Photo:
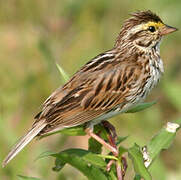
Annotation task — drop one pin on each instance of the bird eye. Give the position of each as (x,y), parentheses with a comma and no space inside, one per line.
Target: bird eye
(151,28)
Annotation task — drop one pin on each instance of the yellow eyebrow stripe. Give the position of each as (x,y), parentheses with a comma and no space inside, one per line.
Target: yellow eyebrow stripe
(155,24)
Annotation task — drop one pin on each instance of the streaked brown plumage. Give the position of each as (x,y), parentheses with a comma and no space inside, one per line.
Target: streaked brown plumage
(109,84)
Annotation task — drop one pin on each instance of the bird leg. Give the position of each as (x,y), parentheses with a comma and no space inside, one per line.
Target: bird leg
(112,136)
(89,131)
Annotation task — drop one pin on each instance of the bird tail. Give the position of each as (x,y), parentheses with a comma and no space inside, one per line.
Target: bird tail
(24,141)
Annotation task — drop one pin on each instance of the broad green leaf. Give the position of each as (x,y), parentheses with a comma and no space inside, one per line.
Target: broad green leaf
(141,107)
(27,178)
(63,73)
(95,160)
(138,162)
(162,140)
(94,146)
(85,161)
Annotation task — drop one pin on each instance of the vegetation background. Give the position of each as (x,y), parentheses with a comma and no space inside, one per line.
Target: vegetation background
(35,35)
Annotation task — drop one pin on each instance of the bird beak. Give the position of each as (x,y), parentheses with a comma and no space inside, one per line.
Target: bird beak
(167,30)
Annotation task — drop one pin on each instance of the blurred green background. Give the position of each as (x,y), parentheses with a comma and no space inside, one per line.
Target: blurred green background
(34,35)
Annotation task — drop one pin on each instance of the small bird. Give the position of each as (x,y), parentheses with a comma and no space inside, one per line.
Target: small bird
(109,84)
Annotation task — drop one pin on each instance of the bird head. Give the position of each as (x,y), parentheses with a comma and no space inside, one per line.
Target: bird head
(144,29)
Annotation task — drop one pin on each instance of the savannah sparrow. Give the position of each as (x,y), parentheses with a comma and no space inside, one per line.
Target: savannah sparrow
(109,84)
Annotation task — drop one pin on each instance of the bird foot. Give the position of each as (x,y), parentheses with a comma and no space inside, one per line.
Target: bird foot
(112,137)
(89,131)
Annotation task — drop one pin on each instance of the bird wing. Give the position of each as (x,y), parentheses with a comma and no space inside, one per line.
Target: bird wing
(101,85)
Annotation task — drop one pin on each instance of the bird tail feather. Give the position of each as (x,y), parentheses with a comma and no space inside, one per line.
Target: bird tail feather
(24,141)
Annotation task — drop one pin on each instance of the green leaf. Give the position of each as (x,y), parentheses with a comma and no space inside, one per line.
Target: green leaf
(121,139)
(85,161)
(112,173)
(94,146)
(63,73)
(45,154)
(27,178)
(159,170)
(59,164)
(95,160)
(162,140)
(99,129)
(73,131)
(141,107)
(138,162)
